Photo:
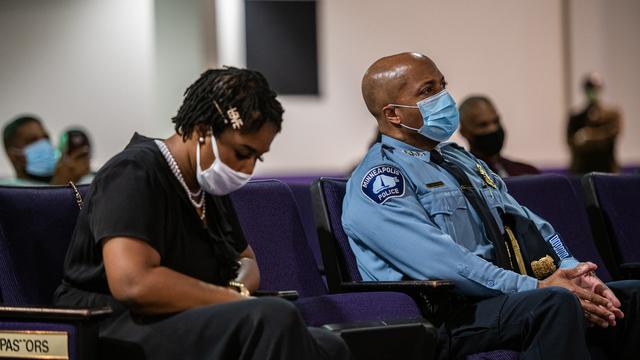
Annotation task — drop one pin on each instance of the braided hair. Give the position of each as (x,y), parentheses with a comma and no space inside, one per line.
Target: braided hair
(218,91)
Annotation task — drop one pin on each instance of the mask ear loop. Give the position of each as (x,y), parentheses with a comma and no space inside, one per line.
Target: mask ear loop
(214,145)
(198,167)
(406,107)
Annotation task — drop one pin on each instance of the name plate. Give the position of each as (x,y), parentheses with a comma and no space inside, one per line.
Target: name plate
(23,344)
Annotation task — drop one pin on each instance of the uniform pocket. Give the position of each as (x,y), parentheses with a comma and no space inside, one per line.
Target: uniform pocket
(443,206)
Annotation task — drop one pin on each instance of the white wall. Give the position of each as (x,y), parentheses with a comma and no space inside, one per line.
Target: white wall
(87,62)
(605,37)
(510,50)
(180,56)
(121,65)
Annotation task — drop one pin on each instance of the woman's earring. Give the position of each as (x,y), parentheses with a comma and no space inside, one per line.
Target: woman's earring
(201,140)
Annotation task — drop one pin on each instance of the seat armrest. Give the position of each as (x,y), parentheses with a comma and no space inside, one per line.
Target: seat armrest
(53,313)
(375,324)
(409,286)
(285,294)
(630,270)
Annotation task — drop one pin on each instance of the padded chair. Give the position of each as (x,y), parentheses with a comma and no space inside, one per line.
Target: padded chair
(340,263)
(35,229)
(302,194)
(36,224)
(342,270)
(553,198)
(270,220)
(269,217)
(612,203)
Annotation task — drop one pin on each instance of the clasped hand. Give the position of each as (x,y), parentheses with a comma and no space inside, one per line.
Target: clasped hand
(600,305)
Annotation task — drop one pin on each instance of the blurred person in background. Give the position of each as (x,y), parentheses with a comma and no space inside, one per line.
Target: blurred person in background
(76,140)
(480,125)
(592,132)
(35,160)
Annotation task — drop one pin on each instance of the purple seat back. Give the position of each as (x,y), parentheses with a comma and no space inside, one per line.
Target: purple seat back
(269,217)
(553,198)
(327,195)
(339,261)
(36,224)
(303,198)
(616,198)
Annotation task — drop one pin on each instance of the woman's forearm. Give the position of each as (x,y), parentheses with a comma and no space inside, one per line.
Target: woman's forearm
(161,290)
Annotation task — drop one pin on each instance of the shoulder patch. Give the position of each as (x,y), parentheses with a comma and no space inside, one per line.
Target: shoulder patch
(382,183)
(558,247)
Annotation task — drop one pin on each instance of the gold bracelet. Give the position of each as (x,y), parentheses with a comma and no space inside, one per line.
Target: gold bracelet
(239,287)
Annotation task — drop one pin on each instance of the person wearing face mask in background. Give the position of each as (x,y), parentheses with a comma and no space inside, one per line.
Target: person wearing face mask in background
(35,160)
(592,132)
(420,207)
(159,242)
(480,124)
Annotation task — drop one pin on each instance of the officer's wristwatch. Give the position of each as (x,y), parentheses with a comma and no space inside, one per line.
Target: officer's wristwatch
(239,287)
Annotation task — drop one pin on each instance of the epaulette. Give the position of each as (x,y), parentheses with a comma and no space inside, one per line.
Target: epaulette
(384,147)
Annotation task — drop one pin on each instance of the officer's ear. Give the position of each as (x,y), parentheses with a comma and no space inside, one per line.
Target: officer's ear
(390,113)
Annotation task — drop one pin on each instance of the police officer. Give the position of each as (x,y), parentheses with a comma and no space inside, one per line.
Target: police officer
(408,214)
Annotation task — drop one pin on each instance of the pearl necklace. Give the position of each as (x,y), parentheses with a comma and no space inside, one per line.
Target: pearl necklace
(173,165)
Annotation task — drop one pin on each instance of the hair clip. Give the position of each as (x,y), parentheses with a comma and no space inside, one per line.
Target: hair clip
(232,115)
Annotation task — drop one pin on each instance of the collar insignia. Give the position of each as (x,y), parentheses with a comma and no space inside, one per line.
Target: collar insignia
(485,177)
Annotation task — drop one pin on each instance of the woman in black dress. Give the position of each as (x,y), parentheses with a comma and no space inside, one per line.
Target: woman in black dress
(159,242)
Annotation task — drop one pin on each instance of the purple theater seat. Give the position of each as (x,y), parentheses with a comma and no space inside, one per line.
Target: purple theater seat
(36,224)
(553,198)
(269,217)
(327,195)
(613,202)
(576,184)
(327,198)
(303,198)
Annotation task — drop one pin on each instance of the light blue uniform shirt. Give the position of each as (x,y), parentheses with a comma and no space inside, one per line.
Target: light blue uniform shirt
(405,216)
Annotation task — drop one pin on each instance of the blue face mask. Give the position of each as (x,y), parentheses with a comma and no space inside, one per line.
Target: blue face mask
(41,158)
(439,115)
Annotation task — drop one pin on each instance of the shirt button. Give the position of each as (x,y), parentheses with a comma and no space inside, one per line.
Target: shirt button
(490,283)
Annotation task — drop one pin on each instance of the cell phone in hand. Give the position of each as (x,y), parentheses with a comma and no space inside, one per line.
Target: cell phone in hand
(285,294)
(74,140)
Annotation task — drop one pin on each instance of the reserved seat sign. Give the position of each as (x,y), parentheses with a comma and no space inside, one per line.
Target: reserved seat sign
(26,344)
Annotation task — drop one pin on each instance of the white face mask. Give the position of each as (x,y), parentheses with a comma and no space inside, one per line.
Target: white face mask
(219,178)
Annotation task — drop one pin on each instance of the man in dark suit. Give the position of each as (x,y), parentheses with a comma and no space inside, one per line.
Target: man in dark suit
(480,125)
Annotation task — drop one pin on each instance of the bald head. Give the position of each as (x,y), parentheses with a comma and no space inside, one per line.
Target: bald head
(385,80)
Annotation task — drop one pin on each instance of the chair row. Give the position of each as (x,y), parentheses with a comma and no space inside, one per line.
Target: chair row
(595,216)
(380,322)
(553,197)
(36,225)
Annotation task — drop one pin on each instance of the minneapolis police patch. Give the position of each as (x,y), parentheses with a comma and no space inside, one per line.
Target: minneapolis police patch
(382,183)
